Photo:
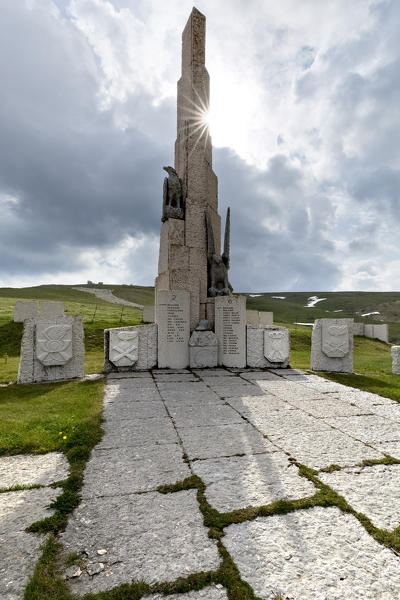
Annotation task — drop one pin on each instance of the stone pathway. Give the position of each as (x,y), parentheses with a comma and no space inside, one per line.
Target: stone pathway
(106,294)
(244,433)
(20,550)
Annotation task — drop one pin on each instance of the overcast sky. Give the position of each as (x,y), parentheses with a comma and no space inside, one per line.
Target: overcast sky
(305,122)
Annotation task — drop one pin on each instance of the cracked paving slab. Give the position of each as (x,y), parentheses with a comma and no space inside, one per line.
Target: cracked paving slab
(329,407)
(319,449)
(20,550)
(320,553)
(223,440)
(286,422)
(134,410)
(215,592)
(33,469)
(133,469)
(147,432)
(149,537)
(374,491)
(244,481)
(187,415)
(249,406)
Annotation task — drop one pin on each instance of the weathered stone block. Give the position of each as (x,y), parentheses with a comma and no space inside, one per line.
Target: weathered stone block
(358,329)
(395,352)
(252,317)
(332,345)
(173,320)
(230,328)
(25,310)
(203,349)
(149,314)
(52,350)
(265,318)
(51,310)
(268,347)
(178,257)
(130,348)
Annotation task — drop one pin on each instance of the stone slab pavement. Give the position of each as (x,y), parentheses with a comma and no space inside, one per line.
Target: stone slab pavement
(19,550)
(247,435)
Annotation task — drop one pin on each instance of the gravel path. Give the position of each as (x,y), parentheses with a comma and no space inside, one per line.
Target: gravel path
(242,433)
(105,294)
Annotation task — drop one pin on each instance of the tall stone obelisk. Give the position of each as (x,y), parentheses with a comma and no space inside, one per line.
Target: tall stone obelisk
(183,242)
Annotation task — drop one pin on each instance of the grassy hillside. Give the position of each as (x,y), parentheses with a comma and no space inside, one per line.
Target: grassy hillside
(292,309)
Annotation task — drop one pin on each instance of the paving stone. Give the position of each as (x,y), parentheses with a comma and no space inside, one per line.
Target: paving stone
(249,406)
(238,391)
(205,373)
(19,550)
(374,491)
(388,411)
(223,440)
(147,432)
(324,385)
(319,449)
(175,377)
(30,469)
(287,372)
(259,376)
(286,422)
(176,399)
(149,537)
(134,410)
(364,399)
(133,469)
(367,428)
(128,375)
(328,407)
(288,389)
(318,554)
(390,448)
(170,371)
(208,593)
(243,481)
(188,415)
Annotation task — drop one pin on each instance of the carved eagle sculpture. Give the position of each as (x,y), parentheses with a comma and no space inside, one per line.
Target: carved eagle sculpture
(173,196)
(218,284)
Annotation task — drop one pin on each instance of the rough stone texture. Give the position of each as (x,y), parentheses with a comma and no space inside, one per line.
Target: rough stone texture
(25,310)
(19,550)
(146,348)
(319,449)
(123,347)
(230,329)
(395,352)
(265,318)
(51,310)
(203,349)
(223,440)
(173,320)
(367,428)
(146,432)
(32,469)
(53,344)
(32,370)
(133,469)
(252,317)
(358,329)
(373,491)
(150,537)
(188,415)
(263,345)
(209,593)
(243,481)
(320,361)
(328,407)
(149,314)
(318,553)
(378,332)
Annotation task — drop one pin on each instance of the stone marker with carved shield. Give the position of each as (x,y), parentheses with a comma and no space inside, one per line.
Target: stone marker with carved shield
(130,348)
(332,345)
(52,350)
(268,347)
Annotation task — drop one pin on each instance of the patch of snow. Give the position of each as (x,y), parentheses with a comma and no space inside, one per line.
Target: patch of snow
(312,301)
(340,310)
(279,297)
(306,324)
(255,295)
(371,313)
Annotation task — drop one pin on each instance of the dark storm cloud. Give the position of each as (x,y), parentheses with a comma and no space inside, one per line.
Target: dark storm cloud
(78,181)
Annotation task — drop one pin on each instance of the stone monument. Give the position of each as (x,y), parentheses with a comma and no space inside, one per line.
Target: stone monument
(190,256)
(52,350)
(25,309)
(395,352)
(332,345)
(203,347)
(268,347)
(230,328)
(130,348)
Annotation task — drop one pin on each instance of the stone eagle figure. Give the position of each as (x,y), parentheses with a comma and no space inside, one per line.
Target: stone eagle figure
(218,284)
(173,196)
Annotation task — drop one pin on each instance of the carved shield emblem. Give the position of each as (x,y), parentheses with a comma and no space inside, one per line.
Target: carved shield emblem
(123,348)
(53,344)
(335,340)
(276,345)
